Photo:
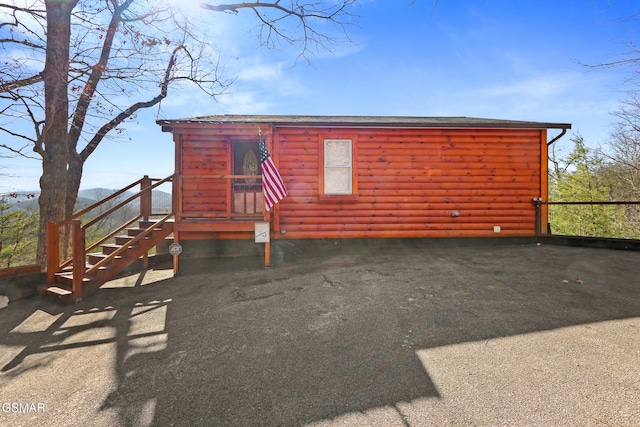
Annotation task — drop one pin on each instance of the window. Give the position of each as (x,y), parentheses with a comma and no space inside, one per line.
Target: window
(338,167)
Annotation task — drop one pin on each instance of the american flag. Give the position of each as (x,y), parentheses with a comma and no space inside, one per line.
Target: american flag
(272,186)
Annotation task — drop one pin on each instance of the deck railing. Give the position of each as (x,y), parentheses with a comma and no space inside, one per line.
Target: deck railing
(225,195)
(540,205)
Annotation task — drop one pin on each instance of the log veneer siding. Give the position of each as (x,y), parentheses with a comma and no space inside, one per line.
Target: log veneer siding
(411,181)
(408,182)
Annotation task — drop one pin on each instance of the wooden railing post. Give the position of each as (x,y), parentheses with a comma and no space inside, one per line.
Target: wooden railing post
(53,252)
(176,201)
(78,245)
(145,198)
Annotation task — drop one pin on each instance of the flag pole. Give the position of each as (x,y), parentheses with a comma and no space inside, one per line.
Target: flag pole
(267,218)
(273,188)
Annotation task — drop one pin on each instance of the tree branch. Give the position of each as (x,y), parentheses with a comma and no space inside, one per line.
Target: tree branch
(304,12)
(98,69)
(15,84)
(21,9)
(23,43)
(13,150)
(113,123)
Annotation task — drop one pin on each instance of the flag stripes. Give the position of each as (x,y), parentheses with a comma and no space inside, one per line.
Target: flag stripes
(272,186)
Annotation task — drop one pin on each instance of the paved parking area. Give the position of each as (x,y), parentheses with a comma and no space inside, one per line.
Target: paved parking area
(399,334)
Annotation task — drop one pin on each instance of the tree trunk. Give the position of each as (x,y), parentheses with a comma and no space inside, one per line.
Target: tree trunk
(53,182)
(74,176)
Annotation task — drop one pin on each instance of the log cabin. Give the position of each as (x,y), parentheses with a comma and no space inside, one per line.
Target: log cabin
(353,177)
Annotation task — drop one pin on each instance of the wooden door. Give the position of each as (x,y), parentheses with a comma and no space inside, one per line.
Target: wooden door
(247,192)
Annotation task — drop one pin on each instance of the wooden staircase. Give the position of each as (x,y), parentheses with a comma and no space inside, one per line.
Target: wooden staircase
(86,271)
(101,267)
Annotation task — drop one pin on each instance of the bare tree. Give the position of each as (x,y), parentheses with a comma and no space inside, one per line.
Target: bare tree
(76,70)
(301,22)
(622,151)
(629,58)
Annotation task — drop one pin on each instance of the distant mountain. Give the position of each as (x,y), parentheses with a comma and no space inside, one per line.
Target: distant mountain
(95,193)
(161,200)
(21,199)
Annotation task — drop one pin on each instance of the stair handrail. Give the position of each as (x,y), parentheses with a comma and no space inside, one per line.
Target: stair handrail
(127,201)
(53,229)
(126,246)
(113,233)
(98,203)
(104,239)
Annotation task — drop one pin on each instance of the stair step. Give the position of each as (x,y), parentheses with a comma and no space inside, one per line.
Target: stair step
(123,240)
(146,224)
(57,290)
(63,293)
(87,266)
(68,276)
(110,248)
(96,257)
(149,223)
(54,290)
(134,231)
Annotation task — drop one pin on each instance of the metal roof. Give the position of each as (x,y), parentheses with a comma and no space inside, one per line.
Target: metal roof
(366,121)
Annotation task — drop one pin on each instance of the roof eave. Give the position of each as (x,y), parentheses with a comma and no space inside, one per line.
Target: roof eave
(365,121)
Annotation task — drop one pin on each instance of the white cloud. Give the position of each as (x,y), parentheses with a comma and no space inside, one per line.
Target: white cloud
(531,87)
(185,97)
(246,102)
(268,72)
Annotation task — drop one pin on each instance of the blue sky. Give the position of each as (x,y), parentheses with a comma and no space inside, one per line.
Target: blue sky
(506,59)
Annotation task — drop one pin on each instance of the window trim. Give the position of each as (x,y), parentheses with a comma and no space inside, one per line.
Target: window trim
(346,197)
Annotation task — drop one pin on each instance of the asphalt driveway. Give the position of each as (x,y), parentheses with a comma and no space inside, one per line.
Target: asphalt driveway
(399,334)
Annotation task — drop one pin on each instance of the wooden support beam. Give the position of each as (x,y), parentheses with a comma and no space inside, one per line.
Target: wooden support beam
(267,245)
(176,264)
(78,239)
(53,252)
